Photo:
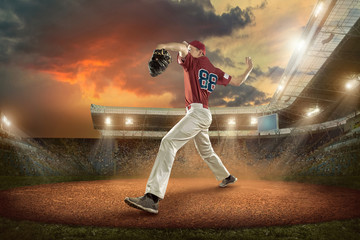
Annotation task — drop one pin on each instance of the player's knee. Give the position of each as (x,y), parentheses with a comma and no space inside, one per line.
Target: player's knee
(206,154)
(167,141)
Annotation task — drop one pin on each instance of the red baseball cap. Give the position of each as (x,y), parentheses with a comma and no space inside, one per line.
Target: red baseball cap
(199,45)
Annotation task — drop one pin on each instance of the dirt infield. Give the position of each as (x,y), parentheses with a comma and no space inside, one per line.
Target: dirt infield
(189,203)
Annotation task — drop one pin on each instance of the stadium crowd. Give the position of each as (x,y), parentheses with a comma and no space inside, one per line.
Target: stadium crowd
(324,152)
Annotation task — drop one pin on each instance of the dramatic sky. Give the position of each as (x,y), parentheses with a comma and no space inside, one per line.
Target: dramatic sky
(59,56)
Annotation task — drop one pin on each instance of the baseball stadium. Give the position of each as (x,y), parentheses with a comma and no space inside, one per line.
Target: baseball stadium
(296,158)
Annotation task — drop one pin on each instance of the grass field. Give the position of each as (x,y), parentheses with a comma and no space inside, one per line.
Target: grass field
(9,229)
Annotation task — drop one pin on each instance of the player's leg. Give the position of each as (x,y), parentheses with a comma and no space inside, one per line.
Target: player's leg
(203,145)
(181,133)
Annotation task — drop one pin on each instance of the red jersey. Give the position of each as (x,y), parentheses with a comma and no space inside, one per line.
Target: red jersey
(200,78)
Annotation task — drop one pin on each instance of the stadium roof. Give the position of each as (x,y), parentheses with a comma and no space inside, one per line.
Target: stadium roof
(315,78)
(324,33)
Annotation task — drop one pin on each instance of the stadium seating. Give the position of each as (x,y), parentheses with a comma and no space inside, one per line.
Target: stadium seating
(323,152)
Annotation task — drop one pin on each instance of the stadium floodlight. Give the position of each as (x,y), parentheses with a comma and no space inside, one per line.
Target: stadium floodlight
(231,121)
(348,85)
(280,87)
(318,9)
(129,121)
(300,45)
(313,112)
(6,121)
(253,121)
(108,121)
(351,84)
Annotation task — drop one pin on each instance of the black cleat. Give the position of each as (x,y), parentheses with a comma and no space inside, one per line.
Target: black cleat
(144,203)
(229,180)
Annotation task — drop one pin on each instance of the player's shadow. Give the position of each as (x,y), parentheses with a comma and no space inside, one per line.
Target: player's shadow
(135,214)
(205,190)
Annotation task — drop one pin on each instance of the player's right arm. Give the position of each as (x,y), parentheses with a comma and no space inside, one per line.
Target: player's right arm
(242,78)
(182,48)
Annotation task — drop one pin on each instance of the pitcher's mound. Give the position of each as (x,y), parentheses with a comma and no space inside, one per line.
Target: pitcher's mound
(189,203)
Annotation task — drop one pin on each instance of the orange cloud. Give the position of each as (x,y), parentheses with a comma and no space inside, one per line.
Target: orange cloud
(82,72)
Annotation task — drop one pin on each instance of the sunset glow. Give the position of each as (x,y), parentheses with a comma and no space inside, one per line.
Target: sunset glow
(72,55)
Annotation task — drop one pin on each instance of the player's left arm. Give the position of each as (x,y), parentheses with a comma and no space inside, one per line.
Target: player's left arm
(182,48)
(237,81)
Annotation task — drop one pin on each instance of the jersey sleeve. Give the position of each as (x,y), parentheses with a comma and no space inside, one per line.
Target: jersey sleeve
(224,78)
(185,62)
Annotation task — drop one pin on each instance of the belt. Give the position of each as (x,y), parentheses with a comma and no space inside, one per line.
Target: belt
(196,105)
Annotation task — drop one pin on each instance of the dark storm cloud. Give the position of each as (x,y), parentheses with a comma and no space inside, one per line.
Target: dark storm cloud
(204,22)
(51,27)
(56,36)
(206,4)
(273,73)
(218,59)
(90,45)
(262,5)
(244,95)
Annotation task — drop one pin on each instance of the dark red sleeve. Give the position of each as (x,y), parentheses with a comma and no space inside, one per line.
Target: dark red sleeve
(185,62)
(224,78)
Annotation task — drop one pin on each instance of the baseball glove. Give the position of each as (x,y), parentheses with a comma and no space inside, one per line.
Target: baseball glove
(159,62)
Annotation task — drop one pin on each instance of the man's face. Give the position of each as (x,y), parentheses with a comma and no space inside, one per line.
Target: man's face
(195,52)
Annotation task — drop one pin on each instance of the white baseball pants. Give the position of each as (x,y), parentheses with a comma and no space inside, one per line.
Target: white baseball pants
(194,124)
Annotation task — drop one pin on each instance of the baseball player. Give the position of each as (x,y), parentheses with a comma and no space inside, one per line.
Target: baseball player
(200,79)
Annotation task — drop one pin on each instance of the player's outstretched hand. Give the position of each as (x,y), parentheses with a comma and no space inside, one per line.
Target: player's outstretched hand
(249,63)
(245,75)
